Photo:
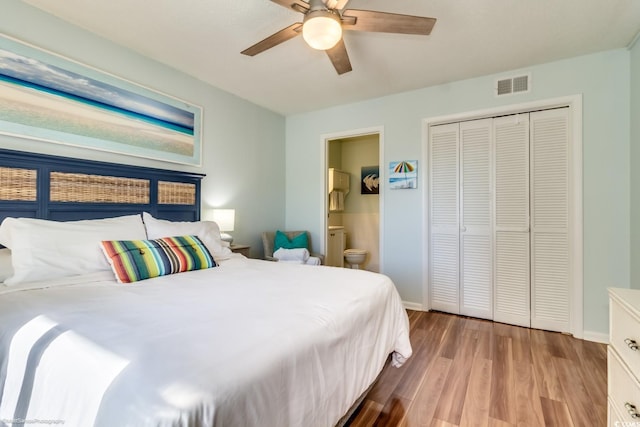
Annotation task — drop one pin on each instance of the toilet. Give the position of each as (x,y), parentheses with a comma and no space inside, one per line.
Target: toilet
(355,257)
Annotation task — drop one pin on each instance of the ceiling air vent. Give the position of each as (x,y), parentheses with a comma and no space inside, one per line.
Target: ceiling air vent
(513,85)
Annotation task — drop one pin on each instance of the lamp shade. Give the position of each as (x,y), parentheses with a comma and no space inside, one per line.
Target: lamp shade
(321,29)
(225,218)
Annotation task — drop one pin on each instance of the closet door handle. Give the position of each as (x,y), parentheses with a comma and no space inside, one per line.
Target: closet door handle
(463,228)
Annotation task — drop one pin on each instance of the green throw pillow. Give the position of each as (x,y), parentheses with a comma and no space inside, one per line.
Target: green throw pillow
(282,241)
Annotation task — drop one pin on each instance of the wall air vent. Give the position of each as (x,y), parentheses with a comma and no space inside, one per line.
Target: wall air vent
(513,85)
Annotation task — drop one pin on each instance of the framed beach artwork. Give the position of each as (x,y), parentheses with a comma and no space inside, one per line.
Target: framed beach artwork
(370,180)
(48,97)
(403,174)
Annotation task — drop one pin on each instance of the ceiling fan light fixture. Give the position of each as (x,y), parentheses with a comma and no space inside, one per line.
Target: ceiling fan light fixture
(321,29)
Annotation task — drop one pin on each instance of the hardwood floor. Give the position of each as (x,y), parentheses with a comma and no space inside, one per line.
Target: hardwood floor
(470,372)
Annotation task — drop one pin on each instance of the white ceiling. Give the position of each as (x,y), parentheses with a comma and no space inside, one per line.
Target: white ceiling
(471,38)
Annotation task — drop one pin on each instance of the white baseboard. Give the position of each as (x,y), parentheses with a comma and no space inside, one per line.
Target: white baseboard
(413,306)
(596,337)
(587,335)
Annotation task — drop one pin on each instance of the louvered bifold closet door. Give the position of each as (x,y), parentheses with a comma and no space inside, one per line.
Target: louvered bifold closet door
(512,245)
(476,219)
(550,247)
(443,218)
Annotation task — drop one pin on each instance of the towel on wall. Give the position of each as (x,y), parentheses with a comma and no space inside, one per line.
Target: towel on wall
(336,201)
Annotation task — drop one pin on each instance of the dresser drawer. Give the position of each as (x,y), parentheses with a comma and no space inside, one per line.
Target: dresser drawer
(614,418)
(625,331)
(624,389)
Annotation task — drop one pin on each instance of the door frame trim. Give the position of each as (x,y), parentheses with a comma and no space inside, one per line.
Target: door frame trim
(574,102)
(325,139)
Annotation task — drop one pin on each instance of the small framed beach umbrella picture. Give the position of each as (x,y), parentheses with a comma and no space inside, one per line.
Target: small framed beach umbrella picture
(403,174)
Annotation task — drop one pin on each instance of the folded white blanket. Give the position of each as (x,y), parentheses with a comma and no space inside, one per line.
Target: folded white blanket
(299,254)
(313,260)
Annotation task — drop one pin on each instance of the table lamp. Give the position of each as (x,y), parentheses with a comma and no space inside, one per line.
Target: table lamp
(225,218)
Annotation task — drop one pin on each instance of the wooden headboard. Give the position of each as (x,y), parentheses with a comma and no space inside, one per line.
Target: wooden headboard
(64,189)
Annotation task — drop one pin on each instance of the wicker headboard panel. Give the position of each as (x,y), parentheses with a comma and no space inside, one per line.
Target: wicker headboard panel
(64,189)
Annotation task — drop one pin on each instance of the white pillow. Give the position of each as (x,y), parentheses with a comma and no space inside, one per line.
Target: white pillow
(42,249)
(6,269)
(207,231)
(4,232)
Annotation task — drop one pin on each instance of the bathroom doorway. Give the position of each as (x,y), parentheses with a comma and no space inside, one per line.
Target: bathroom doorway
(355,214)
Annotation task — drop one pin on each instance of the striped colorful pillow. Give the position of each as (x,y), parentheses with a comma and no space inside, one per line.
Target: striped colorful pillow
(133,260)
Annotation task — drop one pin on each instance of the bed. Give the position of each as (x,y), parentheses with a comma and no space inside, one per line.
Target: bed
(243,343)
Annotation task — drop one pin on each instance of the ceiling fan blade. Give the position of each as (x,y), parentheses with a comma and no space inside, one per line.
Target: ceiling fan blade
(383,22)
(339,57)
(297,5)
(275,39)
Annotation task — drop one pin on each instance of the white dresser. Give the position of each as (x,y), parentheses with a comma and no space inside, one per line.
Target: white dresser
(624,357)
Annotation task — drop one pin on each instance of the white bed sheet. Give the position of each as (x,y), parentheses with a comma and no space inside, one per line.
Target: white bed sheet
(249,343)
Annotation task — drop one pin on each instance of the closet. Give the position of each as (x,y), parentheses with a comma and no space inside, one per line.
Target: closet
(499,244)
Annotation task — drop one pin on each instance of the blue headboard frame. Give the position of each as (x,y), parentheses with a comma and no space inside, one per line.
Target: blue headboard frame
(42,207)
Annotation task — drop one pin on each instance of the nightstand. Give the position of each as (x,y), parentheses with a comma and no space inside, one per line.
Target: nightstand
(241,249)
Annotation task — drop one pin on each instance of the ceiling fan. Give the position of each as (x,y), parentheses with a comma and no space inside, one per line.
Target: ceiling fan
(324,21)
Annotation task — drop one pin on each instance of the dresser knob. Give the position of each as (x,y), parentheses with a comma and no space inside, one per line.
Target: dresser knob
(632,344)
(631,409)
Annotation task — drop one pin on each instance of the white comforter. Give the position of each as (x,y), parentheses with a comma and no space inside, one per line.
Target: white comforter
(250,343)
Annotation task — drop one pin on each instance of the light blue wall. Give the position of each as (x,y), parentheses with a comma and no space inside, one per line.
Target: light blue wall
(635,165)
(246,160)
(243,144)
(603,80)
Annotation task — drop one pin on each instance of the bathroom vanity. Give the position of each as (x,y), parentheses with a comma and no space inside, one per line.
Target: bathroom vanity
(335,246)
